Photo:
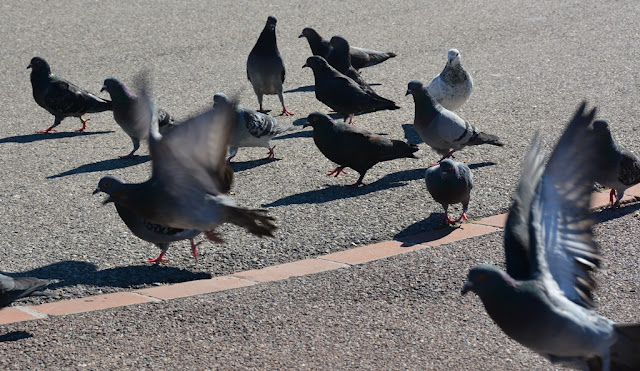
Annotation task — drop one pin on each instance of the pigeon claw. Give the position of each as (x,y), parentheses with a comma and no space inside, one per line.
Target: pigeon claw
(84,124)
(130,155)
(270,155)
(194,249)
(286,112)
(337,171)
(462,217)
(449,220)
(49,130)
(158,260)
(613,194)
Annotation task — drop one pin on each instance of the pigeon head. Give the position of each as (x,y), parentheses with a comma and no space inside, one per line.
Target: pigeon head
(220,98)
(271,23)
(601,127)
(309,33)
(317,119)
(486,280)
(453,57)
(38,64)
(340,43)
(414,87)
(113,187)
(116,89)
(448,167)
(316,63)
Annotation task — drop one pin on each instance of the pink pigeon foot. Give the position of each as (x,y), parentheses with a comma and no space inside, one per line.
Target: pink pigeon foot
(337,171)
(84,124)
(462,217)
(449,220)
(159,259)
(194,250)
(271,154)
(49,130)
(286,112)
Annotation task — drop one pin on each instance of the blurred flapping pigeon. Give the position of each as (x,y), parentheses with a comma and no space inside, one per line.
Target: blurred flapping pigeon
(543,300)
(252,129)
(453,86)
(360,57)
(341,93)
(60,97)
(265,68)
(189,177)
(450,182)
(622,169)
(126,113)
(441,129)
(12,289)
(354,147)
(340,59)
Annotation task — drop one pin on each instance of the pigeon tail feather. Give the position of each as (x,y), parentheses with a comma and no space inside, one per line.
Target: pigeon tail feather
(255,221)
(625,352)
(482,138)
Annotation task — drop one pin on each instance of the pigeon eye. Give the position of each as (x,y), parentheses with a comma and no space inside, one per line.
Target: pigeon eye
(315,119)
(484,277)
(107,184)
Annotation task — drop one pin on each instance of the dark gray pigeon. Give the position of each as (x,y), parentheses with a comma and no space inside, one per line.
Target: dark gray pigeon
(441,129)
(265,68)
(450,182)
(354,147)
(60,97)
(543,300)
(453,86)
(12,289)
(189,177)
(343,94)
(623,166)
(360,57)
(125,113)
(340,59)
(252,129)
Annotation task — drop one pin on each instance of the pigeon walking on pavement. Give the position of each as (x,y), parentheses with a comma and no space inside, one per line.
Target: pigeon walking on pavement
(453,86)
(265,68)
(340,59)
(252,129)
(60,97)
(189,177)
(12,289)
(354,147)
(622,169)
(360,57)
(450,182)
(441,129)
(543,300)
(341,93)
(126,114)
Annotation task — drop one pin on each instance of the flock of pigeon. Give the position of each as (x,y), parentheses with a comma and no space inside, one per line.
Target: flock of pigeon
(543,300)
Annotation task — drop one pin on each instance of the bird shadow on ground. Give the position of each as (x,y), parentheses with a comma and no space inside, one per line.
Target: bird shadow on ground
(247,165)
(481,164)
(301,89)
(607,214)
(411,135)
(303,120)
(28,138)
(15,336)
(338,192)
(104,165)
(297,134)
(434,223)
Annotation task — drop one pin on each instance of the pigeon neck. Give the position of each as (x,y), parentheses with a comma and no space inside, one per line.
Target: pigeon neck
(318,45)
(122,95)
(453,73)
(266,42)
(340,60)
(42,74)
(426,107)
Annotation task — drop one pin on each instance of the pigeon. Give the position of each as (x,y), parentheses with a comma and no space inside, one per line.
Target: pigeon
(12,289)
(450,182)
(60,97)
(453,86)
(341,93)
(340,59)
(265,68)
(543,300)
(252,129)
(357,148)
(441,129)
(125,113)
(623,166)
(189,177)
(360,57)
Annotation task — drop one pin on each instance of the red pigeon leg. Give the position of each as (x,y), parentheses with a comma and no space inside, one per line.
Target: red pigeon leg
(194,250)
(159,259)
(84,124)
(337,171)
(285,111)
(271,154)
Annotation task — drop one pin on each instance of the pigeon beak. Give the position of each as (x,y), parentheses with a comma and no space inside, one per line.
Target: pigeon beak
(408,92)
(305,65)
(306,124)
(104,87)
(301,35)
(29,66)
(468,286)
(96,190)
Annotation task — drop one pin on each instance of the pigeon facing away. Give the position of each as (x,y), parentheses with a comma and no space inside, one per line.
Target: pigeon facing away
(265,68)
(60,97)
(126,111)
(453,86)
(543,300)
(360,57)
(189,177)
(12,289)
(343,94)
(622,168)
(441,129)
(354,147)
(340,59)
(450,182)
(252,129)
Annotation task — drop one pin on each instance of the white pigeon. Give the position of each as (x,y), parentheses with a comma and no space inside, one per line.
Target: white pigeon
(453,86)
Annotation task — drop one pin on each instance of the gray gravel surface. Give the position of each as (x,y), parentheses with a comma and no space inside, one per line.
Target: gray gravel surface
(532,63)
(404,312)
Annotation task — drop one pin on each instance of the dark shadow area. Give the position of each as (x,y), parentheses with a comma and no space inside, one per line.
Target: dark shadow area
(15,336)
(481,164)
(606,214)
(246,165)
(301,89)
(104,165)
(429,229)
(342,191)
(297,134)
(303,120)
(28,138)
(411,135)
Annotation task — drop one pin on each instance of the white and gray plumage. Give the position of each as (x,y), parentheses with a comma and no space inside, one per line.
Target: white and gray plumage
(252,128)
(441,129)
(543,300)
(450,182)
(453,86)
(126,113)
(12,289)
(189,177)
(265,67)
(622,169)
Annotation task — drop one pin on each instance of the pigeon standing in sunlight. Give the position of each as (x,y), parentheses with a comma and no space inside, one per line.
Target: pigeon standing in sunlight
(252,129)
(60,97)
(450,182)
(265,68)
(453,86)
(543,300)
(12,289)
